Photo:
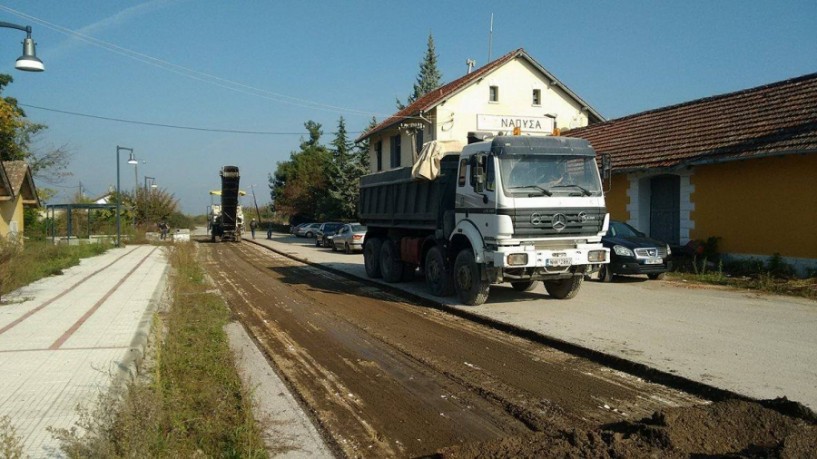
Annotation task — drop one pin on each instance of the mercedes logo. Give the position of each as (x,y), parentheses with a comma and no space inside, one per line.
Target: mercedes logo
(536,218)
(559,222)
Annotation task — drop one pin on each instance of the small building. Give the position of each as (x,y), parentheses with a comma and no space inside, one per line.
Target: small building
(17,191)
(512,91)
(741,167)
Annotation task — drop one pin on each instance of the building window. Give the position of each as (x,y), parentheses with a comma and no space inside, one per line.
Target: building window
(418,139)
(463,170)
(537,97)
(493,94)
(378,154)
(395,151)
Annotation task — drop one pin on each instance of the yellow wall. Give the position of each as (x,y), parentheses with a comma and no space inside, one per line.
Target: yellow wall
(11,211)
(616,199)
(760,206)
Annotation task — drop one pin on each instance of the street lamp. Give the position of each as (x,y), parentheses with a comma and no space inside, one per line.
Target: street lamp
(152,185)
(119,194)
(28,61)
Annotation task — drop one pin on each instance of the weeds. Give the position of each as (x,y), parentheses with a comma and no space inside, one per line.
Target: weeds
(11,446)
(190,401)
(22,264)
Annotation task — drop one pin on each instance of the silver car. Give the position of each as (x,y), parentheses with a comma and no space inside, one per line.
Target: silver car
(349,238)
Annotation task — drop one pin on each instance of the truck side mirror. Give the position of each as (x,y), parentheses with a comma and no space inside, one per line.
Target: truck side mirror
(606,170)
(479,179)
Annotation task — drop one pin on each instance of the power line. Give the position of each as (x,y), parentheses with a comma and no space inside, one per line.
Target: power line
(170,126)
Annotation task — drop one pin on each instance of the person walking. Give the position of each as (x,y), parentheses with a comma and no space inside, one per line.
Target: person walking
(253,225)
(269,230)
(163,228)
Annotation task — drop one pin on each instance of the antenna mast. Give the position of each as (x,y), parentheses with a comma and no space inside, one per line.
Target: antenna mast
(491,37)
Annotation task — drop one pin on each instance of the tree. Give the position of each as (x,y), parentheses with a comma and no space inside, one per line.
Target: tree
(429,77)
(349,164)
(18,138)
(300,186)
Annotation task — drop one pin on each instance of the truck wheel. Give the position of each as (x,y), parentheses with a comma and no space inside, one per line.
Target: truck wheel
(605,275)
(438,277)
(524,286)
(564,289)
(371,257)
(390,265)
(468,283)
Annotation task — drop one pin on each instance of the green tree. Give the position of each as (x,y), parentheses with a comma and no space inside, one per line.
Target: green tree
(349,164)
(429,77)
(300,186)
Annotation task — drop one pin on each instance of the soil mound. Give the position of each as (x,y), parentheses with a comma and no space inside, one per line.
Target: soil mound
(731,428)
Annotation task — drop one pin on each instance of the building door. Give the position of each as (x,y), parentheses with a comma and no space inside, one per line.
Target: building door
(665,208)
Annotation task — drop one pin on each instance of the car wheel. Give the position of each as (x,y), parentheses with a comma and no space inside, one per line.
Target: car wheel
(438,277)
(524,286)
(347,248)
(309,234)
(317,242)
(605,275)
(657,276)
(564,289)
(334,247)
(471,288)
(371,257)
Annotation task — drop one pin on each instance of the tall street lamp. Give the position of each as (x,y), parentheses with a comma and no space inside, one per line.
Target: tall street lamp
(119,194)
(28,61)
(152,186)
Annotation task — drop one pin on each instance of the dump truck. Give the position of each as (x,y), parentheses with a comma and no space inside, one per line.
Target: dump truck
(503,209)
(227,219)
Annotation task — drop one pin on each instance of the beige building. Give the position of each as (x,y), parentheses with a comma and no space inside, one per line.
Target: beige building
(512,91)
(17,190)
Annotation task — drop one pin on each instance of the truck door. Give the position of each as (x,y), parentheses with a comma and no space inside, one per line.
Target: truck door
(476,199)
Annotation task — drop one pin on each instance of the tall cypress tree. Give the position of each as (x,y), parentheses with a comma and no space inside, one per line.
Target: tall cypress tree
(429,77)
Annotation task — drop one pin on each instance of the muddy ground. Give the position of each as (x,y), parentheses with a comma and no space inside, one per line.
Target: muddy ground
(387,378)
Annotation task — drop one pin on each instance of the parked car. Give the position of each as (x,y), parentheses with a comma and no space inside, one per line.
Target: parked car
(307,230)
(294,228)
(349,238)
(324,232)
(632,252)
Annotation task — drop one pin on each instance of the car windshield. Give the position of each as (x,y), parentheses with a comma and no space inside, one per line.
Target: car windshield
(550,174)
(357,228)
(623,229)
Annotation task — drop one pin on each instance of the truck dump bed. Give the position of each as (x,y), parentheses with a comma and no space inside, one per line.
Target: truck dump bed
(229,198)
(392,199)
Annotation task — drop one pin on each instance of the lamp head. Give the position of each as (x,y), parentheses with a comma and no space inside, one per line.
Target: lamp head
(29,61)
(132,159)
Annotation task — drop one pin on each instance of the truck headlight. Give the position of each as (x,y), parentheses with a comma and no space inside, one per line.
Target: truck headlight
(597,256)
(622,251)
(517,259)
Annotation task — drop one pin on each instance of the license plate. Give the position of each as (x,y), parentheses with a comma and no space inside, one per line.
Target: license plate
(654,261)
(558,262)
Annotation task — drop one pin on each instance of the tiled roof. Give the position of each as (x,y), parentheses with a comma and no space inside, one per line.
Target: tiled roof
(19,178)
(778,118)
(431,99)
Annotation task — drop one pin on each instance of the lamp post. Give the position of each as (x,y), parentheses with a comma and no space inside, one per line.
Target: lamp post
(152,185)
(28,61)
(119,194)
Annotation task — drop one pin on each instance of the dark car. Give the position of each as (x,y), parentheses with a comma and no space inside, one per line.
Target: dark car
(632,252)
(324,231)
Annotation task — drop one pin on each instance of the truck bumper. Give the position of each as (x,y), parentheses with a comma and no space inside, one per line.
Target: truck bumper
(526,260)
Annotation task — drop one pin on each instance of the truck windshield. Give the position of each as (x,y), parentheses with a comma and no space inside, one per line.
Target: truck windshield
(564,175)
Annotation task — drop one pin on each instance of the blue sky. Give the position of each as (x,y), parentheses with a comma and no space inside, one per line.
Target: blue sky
(270,66)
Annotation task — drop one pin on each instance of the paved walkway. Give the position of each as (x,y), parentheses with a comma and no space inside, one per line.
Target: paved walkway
(761,346)
(65,339)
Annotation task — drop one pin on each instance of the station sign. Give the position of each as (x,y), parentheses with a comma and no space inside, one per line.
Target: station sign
(506,123)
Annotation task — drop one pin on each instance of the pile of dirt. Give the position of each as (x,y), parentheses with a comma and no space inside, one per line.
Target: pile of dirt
(731,428)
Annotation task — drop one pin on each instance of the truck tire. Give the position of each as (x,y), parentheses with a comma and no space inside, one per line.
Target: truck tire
(438,276)
(605,275)
(564,289)
(471,288)
(390,265)
(371,257)
(524,286)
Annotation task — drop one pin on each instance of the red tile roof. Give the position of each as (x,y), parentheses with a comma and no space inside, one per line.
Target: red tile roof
(431,99)
(20,181)
(778,118)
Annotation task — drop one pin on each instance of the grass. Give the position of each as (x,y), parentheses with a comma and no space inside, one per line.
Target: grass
(22,264)
(189,401)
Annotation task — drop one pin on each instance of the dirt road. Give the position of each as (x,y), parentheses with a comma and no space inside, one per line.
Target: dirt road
(384,377)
